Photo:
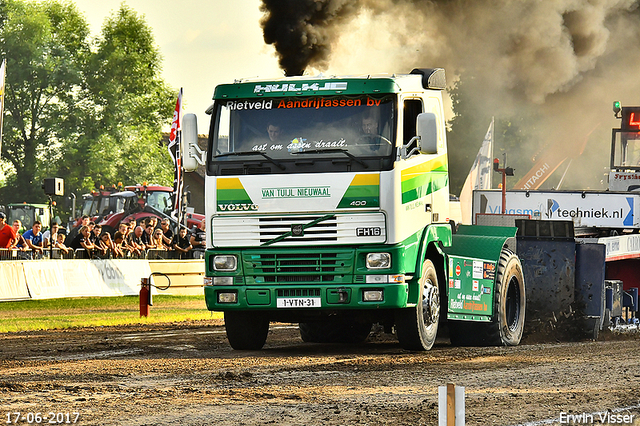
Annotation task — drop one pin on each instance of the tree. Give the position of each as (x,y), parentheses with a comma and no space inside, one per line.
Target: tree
(128,103)
(45,47)
(89,112)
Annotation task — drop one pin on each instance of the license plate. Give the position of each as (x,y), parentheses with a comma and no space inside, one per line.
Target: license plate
(299,302)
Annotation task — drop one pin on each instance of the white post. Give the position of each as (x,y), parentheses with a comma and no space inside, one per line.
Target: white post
(451,403)
(459,406)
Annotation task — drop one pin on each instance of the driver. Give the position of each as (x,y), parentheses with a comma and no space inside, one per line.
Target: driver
(370,123)
(274,130)
(370,129)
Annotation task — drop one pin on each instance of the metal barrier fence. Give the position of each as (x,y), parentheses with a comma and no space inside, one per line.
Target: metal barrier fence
(152,254)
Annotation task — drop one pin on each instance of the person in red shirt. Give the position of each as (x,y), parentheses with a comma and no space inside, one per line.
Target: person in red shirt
(7,234)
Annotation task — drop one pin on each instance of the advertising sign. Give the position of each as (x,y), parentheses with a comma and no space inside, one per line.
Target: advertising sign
(585,209)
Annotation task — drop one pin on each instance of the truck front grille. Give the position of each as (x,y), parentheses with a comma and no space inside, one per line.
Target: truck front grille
(287,267)
(251,230)
(298,292)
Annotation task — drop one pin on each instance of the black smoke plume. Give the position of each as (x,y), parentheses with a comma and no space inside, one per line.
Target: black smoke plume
(560,62)
(302,31)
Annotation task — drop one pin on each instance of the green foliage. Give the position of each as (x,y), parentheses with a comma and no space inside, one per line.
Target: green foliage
(87,111)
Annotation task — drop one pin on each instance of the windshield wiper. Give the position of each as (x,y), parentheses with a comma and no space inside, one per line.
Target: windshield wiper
(228,154)
(332,150)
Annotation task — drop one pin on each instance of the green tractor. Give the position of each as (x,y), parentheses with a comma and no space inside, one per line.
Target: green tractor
(27,213)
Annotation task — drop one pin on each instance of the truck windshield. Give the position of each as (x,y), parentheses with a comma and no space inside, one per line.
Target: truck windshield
(308,134)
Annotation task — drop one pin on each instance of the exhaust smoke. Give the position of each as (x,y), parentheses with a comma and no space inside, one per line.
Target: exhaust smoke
(558,62)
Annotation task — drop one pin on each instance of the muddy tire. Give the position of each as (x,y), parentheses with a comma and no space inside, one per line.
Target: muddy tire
(335,331)
(417,327)
(246,330)
(509,305)
(509,302)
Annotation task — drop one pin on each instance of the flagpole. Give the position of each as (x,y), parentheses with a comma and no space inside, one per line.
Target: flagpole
(3,72)
(493,132)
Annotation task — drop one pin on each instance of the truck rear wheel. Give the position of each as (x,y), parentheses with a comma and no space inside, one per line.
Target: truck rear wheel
(509,304)
(417,327)
(246,330)
(335,331)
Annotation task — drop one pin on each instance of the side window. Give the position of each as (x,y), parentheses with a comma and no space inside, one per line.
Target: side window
(412,107)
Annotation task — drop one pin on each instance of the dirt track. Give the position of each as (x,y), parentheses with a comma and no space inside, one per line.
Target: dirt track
(187,374)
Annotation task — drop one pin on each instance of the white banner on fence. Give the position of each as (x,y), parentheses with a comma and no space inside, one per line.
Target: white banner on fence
(122,277)
(13,284)
(48,279)
(45,278)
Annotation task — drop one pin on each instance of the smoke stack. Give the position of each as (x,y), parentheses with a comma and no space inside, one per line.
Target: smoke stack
(289,73)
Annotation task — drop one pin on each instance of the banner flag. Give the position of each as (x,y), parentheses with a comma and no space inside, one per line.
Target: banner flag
(479,176)
(174,151)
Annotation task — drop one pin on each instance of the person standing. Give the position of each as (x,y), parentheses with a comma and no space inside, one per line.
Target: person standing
(147,237)
(181,244)
(8,236)
(50,236)
(135,241)
(20,244)
(83,241)
(33,237)
(199,240)
(167,233)
(59,244)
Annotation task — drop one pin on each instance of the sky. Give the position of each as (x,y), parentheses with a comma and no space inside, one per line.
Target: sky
(558,62)
(203,43)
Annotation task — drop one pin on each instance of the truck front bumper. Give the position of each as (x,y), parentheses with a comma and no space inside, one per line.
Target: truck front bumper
(306,297)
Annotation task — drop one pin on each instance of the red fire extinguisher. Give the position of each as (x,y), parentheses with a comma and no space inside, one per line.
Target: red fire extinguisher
(145,297)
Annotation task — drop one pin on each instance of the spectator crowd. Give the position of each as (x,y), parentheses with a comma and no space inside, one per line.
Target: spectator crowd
(147,239)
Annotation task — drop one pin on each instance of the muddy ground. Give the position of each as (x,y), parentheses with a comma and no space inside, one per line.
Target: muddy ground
(187,374)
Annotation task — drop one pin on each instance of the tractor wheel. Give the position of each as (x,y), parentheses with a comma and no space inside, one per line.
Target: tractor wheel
(343,331)
(417,327)
(246,330)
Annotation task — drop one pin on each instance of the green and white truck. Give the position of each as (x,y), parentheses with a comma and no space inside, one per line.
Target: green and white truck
(327,205)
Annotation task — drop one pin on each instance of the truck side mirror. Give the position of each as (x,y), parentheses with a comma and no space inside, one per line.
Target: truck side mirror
(189,143)
(427,127)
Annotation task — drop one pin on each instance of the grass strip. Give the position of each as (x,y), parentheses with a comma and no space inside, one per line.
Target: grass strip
(64,313)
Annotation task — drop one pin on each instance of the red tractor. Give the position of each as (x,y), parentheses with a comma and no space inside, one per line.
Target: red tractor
(136,203)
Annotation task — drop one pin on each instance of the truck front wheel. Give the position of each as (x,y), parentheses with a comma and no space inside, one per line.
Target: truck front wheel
(417,327)
(246,330)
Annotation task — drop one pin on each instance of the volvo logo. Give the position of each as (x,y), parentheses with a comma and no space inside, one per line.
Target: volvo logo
(237,207)
(297,230)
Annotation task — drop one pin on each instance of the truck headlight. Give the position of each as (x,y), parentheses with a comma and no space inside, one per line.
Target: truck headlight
(225,262)
(373,295)
(228,297)
(378,260)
